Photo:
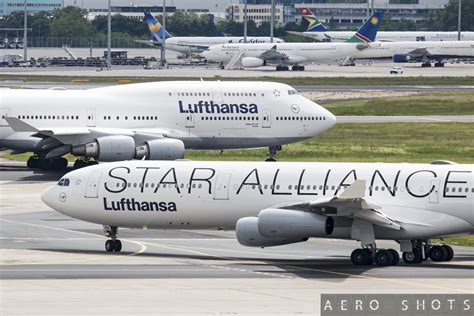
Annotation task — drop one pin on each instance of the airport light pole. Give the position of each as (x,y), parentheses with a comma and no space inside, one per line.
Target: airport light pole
(25,32)
(163,36)
(459,19)
(109,37)
(272,23)
(245,21)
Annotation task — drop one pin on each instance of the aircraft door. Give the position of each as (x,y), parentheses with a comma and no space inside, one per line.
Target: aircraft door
(221,191)
(189,120)
(92,188)
(434,195)
(3,114)
(91,118)
(266,119)
(217,95)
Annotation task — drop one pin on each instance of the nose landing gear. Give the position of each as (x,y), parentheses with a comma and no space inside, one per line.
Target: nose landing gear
(113,244)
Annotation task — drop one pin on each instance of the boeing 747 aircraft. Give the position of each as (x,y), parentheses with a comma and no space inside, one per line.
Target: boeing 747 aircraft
(154,121)
(271,204)
(193,44)
(317,31)
(295,54)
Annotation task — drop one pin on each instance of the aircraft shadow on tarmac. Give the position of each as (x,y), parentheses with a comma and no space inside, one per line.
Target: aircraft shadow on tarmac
(333,268)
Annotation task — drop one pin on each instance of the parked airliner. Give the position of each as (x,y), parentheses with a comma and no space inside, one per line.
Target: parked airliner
(155,120)
(295,54)
(194,44)
(271,204)
(317,31)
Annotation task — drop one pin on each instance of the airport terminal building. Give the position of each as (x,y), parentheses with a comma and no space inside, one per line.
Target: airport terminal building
(33,6)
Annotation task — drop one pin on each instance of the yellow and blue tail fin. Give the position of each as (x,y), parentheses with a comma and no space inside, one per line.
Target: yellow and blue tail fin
(368,31)
(155,27)
(314,24)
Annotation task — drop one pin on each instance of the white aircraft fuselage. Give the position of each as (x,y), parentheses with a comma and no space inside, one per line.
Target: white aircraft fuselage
(295,52)
(392,36)
(203,115)
(447,49)
(198,44)
(402,201)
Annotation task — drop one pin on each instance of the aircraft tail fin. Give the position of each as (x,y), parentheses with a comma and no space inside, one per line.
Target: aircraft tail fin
(155,27)
(368,31)
(314,24)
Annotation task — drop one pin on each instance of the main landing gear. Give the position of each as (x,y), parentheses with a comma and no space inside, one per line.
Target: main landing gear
(56,164)
(297,68)
(272,152)
(381,257)
(417,251)
(82,163)
(282,68)
(113,244)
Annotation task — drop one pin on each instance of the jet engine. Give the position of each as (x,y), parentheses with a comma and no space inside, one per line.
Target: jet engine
(248,235)
(161,149)
(252,62)
(401,58)
(107,148)
(292,224)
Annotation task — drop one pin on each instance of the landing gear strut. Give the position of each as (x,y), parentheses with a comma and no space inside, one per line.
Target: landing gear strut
(272,152)
(113,244)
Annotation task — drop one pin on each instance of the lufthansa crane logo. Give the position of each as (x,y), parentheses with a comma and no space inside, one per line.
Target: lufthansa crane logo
(374,20)
(62,197)
(295,108)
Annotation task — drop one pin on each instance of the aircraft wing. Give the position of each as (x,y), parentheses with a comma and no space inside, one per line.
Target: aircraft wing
(351,203)
(68,135)
(273,54)
(419,52)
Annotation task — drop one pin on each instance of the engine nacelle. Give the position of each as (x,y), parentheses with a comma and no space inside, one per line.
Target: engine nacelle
(291,224)
(252,62)
(108,148)
(248,235)
(401,58)
(161,149)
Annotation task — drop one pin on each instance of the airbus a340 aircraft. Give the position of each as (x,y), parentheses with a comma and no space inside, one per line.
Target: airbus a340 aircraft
(193,44)
(155,120)
(316,30)
(296,54)
(271,204)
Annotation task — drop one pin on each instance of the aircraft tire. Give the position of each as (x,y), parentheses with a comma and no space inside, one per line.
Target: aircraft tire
(360,257)
(270,160)
(278,68)
(383,258)
(33,162)
(450,252)
(294,68)
(45,164)
(412,257)
(109,245)
(59,164)
(396,256)
(438,253)
(118,245)
(301,68)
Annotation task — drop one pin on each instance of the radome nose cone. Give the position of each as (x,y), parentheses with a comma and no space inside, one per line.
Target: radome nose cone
(48,197)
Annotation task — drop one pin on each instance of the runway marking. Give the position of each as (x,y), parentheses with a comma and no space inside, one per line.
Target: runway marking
(142,249)
(382,279)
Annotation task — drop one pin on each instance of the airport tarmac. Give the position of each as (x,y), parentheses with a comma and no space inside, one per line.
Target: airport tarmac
(54,265)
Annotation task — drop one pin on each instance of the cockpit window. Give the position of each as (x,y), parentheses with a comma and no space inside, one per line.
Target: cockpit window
(292,92)
(63,182)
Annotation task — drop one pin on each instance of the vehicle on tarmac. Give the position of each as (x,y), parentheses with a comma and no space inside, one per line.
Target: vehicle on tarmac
(293,54)
(156,120)
(271,204)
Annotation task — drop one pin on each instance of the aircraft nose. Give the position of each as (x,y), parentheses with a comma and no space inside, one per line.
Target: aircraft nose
(54,198)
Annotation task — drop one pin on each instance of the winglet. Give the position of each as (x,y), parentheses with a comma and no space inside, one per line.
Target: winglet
(19,126)
(355,191)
